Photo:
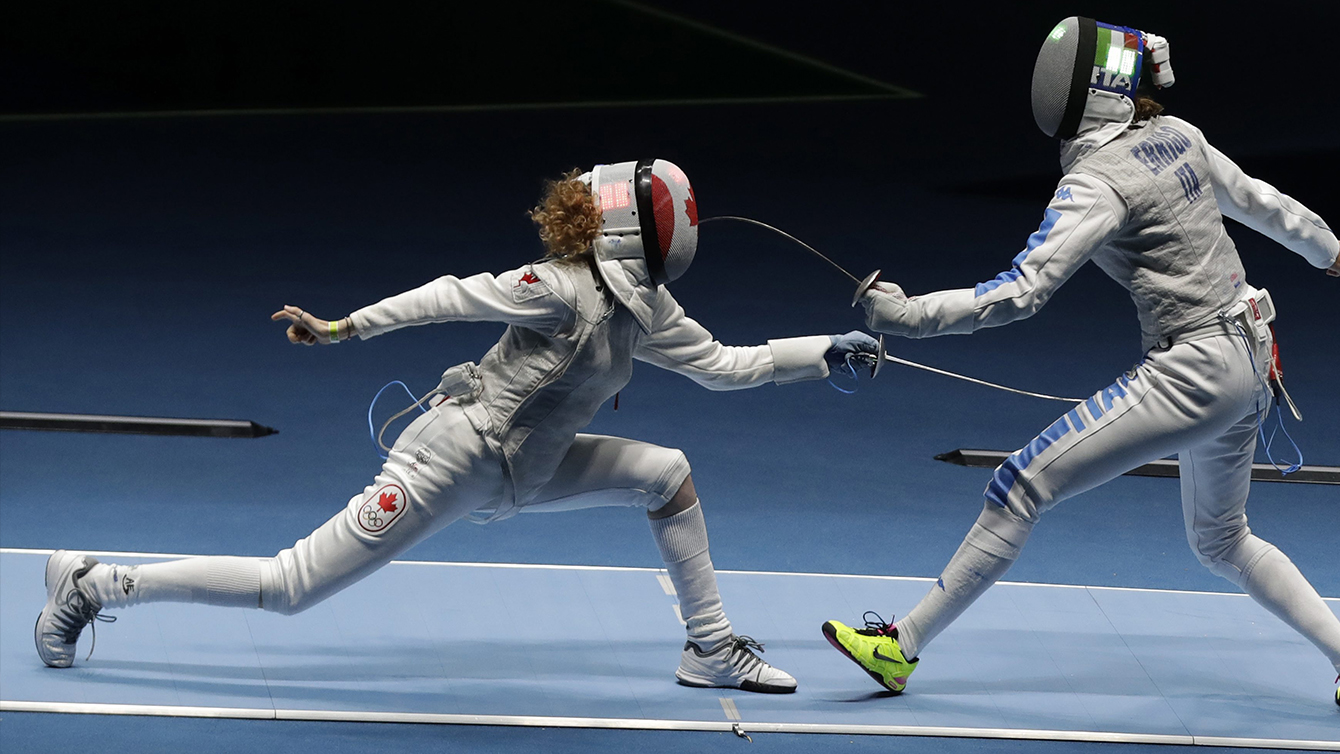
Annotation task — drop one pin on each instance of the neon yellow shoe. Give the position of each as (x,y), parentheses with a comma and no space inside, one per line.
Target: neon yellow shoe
(875,648)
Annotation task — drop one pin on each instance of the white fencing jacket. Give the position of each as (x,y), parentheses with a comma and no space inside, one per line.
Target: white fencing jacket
(568,348)
(1146,204)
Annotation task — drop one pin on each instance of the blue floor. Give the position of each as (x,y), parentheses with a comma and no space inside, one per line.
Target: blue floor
(597,646)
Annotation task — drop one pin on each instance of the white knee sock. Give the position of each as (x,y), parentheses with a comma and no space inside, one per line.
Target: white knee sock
(991,547)
(682,539)
(223,581)
(1277,585)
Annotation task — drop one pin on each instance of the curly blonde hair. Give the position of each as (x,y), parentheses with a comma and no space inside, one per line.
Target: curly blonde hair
(568,217)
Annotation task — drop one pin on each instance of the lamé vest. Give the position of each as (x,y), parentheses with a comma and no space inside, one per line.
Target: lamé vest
(1173,255)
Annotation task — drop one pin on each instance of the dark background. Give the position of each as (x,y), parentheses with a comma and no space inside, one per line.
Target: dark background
(172,173)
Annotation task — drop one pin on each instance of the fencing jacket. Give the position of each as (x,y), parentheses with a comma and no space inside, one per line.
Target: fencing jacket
(1146,204)
(568,348)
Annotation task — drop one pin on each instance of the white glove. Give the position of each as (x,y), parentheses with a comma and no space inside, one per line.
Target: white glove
(887,310)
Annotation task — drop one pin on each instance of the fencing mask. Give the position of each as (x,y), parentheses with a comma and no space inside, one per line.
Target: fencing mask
(649,229)
(1086,64)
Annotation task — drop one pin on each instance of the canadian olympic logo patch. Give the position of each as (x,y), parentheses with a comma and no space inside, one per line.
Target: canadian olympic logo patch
(381,509)
(528,286)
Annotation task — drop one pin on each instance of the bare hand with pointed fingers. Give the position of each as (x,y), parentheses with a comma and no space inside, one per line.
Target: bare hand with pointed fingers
(309,330)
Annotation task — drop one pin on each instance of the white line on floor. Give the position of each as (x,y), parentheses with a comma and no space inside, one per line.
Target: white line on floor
(557,567)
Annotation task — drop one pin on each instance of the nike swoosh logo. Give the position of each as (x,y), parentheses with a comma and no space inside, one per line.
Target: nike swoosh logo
(883,657)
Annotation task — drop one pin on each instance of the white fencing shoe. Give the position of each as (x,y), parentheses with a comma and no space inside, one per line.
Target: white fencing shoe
(69,608)
(732,664)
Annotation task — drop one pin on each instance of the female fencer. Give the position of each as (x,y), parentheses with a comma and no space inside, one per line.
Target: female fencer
(1143,197)
(507,439)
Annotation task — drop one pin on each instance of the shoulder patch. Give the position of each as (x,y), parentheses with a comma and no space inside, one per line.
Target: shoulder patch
(526,285)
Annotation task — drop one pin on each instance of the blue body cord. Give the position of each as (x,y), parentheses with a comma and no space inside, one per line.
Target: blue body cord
(372,433)
(1260,418)
(850,370)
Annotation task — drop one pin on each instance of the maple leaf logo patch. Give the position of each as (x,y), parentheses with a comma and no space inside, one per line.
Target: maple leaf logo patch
(528,286)
(381,509)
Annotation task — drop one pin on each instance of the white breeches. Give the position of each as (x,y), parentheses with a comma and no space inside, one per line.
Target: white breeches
(1198,399)
(440,470)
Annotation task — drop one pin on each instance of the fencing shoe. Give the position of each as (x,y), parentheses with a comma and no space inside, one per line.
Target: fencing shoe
(875,648)
(732,664)
(69,608)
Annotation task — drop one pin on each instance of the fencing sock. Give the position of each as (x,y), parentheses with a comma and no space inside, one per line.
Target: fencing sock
(1277,585)
(991,547)
(223,581)
(682,539)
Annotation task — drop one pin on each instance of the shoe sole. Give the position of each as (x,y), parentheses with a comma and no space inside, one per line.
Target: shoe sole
(830,633)
(754,686)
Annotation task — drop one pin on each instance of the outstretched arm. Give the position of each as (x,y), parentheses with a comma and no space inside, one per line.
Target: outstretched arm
(526,297)
(1266,210)
(680,344)
(1083,214)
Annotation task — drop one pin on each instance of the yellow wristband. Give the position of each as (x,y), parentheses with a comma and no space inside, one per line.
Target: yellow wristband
(334,331)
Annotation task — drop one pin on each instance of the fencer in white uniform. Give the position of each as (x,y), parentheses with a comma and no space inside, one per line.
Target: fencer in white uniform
(508,438)
(1143,197)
